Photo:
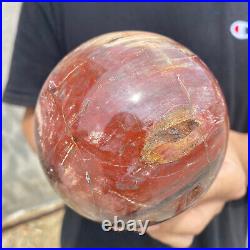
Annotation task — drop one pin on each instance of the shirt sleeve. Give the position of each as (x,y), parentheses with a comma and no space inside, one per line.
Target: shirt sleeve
(37,50)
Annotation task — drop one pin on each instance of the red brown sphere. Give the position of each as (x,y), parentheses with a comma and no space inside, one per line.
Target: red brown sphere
(131,124)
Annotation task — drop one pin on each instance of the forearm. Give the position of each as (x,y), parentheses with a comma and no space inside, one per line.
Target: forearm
(28,127)
(240,142)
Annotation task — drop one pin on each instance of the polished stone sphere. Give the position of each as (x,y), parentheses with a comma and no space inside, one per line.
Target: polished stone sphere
(131,124)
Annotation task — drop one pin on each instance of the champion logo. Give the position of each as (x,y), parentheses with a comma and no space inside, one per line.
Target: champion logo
(239,29)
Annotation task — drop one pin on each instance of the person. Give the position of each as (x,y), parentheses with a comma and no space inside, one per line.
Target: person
(48,31)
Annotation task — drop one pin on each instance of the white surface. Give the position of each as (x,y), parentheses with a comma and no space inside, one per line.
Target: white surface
(24,184)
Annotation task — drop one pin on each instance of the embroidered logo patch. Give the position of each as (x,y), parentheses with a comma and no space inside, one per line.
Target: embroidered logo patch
(239,29)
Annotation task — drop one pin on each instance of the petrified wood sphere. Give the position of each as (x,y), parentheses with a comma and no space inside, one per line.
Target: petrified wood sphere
(131,124)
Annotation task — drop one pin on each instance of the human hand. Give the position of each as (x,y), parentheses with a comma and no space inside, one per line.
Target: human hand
(181,230)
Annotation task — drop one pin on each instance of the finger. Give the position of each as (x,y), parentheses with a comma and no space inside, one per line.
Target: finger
(173,240)
(192,221)
(197,219)
(229,183)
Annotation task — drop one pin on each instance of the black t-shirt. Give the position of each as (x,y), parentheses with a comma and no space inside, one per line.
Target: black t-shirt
(48,31)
